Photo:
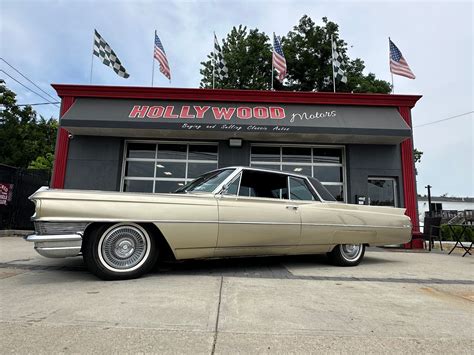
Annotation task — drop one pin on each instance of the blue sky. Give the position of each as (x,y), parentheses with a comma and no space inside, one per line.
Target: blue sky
(51,42)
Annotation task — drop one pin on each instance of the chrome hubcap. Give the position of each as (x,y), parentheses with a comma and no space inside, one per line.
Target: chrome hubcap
(351,251)
(124,247)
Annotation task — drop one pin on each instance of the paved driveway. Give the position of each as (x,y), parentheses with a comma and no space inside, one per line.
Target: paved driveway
(394,302)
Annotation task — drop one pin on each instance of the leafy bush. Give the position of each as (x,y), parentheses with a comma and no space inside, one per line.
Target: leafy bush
(447,234)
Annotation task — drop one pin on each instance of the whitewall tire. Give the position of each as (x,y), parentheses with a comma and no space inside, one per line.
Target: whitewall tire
(119,251)
(347,254)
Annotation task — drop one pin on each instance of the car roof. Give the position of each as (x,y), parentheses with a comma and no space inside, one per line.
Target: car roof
(265,170)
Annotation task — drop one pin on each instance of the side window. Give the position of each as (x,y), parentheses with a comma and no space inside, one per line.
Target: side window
(233,188)
(299,190)
(263,184)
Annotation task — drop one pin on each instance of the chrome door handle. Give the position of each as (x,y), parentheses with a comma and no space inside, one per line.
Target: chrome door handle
(294,208)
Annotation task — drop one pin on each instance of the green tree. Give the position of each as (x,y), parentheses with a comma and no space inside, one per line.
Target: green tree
(417,154)
(248,58)
(24,138)
(308,56)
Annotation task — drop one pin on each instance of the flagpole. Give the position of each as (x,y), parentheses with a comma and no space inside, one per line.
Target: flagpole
(332,64)
(272,58)
(92,59)
(389,58)
(153,59)
(393,87)
(214,62)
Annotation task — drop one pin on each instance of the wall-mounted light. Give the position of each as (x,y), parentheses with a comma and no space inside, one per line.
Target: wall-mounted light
(235,142)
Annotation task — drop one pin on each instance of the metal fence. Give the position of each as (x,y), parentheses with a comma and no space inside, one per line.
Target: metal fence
(16,185)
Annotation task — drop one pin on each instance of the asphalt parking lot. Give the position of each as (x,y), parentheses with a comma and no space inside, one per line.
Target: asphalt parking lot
(394,302)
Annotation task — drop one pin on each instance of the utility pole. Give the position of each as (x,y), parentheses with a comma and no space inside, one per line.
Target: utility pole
(429,196)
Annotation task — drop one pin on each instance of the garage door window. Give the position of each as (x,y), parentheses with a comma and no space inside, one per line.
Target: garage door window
(326,163)
(165,166)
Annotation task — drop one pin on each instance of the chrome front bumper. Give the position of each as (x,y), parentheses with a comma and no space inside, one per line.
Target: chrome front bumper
(57,246)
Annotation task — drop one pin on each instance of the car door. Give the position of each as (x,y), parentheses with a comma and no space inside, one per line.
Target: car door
(317,221)
(256,217)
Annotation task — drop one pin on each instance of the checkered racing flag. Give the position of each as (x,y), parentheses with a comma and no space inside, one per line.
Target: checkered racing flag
(220,66)
(338,63)
(108,56)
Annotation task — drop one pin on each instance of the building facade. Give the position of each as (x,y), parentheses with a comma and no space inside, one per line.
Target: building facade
(157,139)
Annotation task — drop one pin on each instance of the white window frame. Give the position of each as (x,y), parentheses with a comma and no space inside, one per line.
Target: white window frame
(310,164)
(155,160)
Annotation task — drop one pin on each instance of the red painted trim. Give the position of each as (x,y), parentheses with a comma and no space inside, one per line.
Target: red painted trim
(327,98)
(409,182)
(62,144)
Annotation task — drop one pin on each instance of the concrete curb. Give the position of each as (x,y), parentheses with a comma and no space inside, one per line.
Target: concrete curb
(15,233)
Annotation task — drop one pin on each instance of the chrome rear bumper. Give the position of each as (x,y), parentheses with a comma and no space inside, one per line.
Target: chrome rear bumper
(57,246)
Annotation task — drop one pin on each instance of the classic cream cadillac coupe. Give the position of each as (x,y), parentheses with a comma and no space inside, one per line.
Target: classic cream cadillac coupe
(228,212)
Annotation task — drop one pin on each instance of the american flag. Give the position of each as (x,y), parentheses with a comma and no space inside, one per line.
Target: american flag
(279,61)
(398,64)
(160,56)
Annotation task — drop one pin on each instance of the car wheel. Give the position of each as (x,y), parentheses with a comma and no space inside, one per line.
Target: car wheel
(347,254)
(121,251)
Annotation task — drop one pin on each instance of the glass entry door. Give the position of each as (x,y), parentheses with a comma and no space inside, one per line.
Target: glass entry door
(382,191)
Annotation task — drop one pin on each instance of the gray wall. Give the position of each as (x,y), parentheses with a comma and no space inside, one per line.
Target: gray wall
(94,163)
(232,156)
(372,160)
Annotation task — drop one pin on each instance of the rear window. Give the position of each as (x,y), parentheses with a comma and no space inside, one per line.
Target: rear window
(322,191)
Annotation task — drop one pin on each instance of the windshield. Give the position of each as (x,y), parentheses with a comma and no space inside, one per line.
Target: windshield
(322,191)
(207,182)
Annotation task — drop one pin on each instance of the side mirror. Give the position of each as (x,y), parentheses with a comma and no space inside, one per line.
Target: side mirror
(223,190)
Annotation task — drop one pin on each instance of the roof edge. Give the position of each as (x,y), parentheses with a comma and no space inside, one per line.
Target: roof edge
(264,96)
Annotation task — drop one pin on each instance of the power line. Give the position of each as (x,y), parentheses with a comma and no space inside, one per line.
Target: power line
(26,87)
(444,119)
(40,103)
(24,76)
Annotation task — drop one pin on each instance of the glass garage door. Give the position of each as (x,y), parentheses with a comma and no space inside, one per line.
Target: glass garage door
(165,166)
(326,163)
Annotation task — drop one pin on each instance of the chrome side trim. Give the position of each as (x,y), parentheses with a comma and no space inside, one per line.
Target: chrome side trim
(243,222)
(352,225)
(53,238)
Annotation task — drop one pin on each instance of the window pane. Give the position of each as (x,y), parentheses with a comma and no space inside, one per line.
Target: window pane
(233,188)
(294,154)
(202,152)
(299,190)
(381,192)
(171,151)
(170,170)
(270,154)
(197,169)
(167,186)
(327,155)
(262,184)
(336,190)
(298,169)
(138,186)
(267,166)
(246,191)
(140,168)
(141,150)
(328,173)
